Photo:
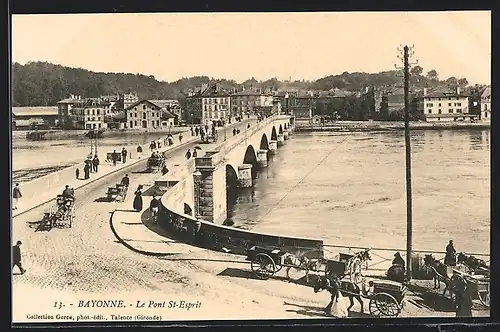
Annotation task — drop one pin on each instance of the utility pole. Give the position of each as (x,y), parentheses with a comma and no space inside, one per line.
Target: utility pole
(406,54)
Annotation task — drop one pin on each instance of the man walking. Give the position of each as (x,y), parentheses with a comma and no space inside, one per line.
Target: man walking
(95,163)
(16,196)
(16,257)
(124,155)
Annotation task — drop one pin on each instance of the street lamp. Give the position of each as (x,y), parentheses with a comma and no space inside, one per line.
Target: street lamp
(197,181)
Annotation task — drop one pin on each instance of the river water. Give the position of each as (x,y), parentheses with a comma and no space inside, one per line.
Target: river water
(349,189)
(31,159)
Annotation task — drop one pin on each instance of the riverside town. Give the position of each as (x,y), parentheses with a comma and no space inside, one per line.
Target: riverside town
(224,188)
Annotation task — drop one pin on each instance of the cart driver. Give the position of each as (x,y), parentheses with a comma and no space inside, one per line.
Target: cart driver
(125,181)
(68,194)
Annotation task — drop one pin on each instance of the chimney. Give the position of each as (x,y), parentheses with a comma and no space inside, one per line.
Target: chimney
(217,87)
(458,90)
(425,92)
(204,86)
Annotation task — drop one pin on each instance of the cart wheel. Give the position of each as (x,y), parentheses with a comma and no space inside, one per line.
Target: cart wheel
(484,298)
(278,268)
(263,266)
(384,305)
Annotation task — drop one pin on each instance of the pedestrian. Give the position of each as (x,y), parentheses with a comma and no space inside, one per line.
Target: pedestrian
(138,199)
(192,131)
(196,131)
(238,131)
(180,138)
(188,154)
(139,151)
(158,143)
(16,196)
(170,141)
(248,126)
(16,257)
(234,131)
(95,163)
(151,146)
(77,173)
(195,153)
(124,155)
(450,258)
(463,299)
(114,157)
(86,171)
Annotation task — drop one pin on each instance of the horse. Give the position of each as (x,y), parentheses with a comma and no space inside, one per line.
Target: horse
(346,288)
(354,264)
(471,262)
(396,273)
(301,262)
(439,273)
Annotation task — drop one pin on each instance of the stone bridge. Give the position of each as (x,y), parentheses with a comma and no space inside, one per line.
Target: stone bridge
(199,188)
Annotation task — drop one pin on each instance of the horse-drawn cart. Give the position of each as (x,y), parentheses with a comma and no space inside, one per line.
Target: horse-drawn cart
(265,262)
(478,284)
(117,193)
(387,299)
(155,163)
(61,214)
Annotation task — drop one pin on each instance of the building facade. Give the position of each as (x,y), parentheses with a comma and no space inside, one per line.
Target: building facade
(64,111)
(444,106)
(88,114)
(148,115)
(39,116)
(250,101)
(128,99)
(207,105)
(486,104)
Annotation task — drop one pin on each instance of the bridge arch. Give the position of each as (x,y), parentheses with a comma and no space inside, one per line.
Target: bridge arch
(281,129)
(251,158)
(231,177)
(274,135)
(264,143)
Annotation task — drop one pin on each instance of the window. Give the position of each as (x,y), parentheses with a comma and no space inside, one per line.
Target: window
(485,114)
(459,104)
(135,123)
(459,99)
(98,112)
(157,123)
(450,110)
(144,116)
(99,125)
(439,119)
(449,98)
(430,111)
(205,107)
(88,126)
(143,107)
(449,104)
(439,111)
(88,112)
(98,118)
(459,110)
(131,124)
(135,109)
(216,107)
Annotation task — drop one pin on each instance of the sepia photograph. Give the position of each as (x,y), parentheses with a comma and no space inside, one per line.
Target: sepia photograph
(219,166)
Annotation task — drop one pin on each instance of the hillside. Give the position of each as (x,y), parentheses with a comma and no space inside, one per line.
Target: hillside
(44,84)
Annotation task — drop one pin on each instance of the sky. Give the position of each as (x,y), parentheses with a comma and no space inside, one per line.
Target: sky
(262,45)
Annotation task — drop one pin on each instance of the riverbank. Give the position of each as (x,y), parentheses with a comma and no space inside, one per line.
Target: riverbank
(358,126)
(78,134)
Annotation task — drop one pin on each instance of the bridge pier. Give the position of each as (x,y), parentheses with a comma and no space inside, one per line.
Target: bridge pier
(245,175)
(273,146)
(281,140)
(210,188)
(286,134)
(262,158)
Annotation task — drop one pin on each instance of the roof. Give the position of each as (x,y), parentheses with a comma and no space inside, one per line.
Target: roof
(34,111)
(68,101)
(249,92)
(486,93)
(165,115)
(140,102)
(164,103)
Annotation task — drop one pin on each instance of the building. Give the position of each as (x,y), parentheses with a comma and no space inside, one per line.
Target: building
(208,104)
(486,104)
(443,105)
(65,113)
(29,117)
(171,105)
(127,99)
(251,101)
(88,114)
(148,115)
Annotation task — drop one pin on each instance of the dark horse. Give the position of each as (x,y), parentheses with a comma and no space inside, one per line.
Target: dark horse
(471,262)
(336,286)
(439,272)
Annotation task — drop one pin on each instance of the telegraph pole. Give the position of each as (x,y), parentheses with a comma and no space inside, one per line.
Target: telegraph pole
(406,54)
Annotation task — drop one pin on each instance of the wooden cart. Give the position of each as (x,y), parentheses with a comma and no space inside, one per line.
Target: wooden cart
(387,299)
(265,262)
(117,193)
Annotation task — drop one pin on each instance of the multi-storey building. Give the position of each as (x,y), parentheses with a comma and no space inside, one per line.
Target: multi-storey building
(444,106)
(146,114)
(171,105)
(207,105)
(64,111)
(251,101)
(88,114)
(128,99)
(486,104)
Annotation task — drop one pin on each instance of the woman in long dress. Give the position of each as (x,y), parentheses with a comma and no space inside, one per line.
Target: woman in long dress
(138,199)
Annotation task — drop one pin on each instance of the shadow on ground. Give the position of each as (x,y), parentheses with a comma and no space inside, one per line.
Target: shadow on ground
(430,300)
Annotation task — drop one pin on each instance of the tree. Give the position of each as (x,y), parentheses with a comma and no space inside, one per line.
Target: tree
(416,71)
(463,82)
(452,82)
(432,75)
